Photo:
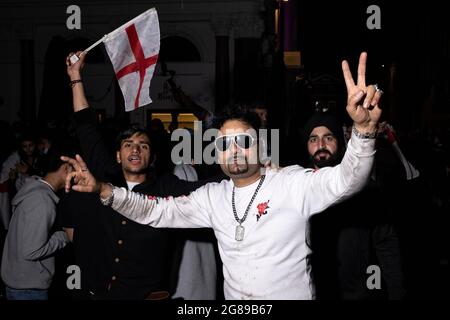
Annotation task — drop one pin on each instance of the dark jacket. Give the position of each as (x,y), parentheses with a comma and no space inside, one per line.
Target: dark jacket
(119,259)
(349,237)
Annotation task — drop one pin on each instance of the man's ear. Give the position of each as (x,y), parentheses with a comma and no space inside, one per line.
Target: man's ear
(65,168)
(118,157)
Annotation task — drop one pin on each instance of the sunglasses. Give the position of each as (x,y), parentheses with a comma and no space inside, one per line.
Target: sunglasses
(242,140)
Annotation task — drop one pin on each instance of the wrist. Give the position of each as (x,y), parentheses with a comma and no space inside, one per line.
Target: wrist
(365,132)
(72,83)
(106,191)
(75,75)
(366,128)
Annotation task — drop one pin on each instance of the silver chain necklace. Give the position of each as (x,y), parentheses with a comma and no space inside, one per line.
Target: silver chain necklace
(239,234)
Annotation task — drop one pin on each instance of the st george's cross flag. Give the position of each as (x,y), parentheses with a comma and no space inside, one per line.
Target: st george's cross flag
(133,49)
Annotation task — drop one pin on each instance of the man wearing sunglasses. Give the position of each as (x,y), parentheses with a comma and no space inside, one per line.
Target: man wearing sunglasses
(259,216)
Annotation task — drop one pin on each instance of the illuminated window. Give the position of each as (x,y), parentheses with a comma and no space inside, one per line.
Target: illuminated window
(186,120)
(166,119)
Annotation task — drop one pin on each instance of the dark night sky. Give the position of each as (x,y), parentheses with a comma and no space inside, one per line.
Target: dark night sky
(337,29)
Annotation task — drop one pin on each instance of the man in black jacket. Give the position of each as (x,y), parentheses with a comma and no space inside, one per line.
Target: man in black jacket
(118,258)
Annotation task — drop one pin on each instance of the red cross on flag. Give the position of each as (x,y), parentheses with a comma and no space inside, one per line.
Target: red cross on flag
(133,49)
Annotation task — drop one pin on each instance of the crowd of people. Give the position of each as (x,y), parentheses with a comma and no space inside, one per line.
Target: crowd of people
(141,227)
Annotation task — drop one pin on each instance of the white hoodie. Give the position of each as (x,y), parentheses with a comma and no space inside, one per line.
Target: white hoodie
(270,262)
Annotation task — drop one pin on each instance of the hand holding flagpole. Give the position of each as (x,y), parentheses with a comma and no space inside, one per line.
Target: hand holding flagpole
(133,49)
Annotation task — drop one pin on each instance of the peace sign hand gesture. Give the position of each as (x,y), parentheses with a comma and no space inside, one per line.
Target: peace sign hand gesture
(364,113)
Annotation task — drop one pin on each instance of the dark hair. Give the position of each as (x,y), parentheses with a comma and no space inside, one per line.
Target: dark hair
(28,136)
(129,132)
(52,160)
(239,112)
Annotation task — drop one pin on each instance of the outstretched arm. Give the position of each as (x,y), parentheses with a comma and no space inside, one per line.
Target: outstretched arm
(181,212)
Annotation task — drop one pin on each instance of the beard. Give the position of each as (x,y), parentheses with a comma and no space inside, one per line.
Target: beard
(325,161)
(237,165)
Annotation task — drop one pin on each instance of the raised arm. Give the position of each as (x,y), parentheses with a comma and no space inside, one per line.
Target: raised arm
(74,72)
(319,189)
(92,143)
(327,186)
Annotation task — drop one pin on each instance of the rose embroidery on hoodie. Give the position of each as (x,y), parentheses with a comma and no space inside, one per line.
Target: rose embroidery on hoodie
(262,209)
(153,198)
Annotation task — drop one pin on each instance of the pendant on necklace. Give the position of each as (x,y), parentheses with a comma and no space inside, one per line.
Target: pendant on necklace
(239,235)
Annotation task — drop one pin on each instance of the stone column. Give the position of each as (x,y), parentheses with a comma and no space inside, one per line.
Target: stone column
(248,73)
(27,111)
(221,27)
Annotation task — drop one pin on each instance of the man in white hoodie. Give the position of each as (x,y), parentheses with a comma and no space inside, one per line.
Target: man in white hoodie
(28,263)
(259,217)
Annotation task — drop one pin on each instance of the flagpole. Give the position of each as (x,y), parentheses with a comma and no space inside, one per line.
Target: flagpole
(75,58)
(96,43)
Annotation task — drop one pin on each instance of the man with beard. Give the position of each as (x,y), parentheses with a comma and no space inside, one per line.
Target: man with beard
(325,138)
(259,216)
(344,240)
